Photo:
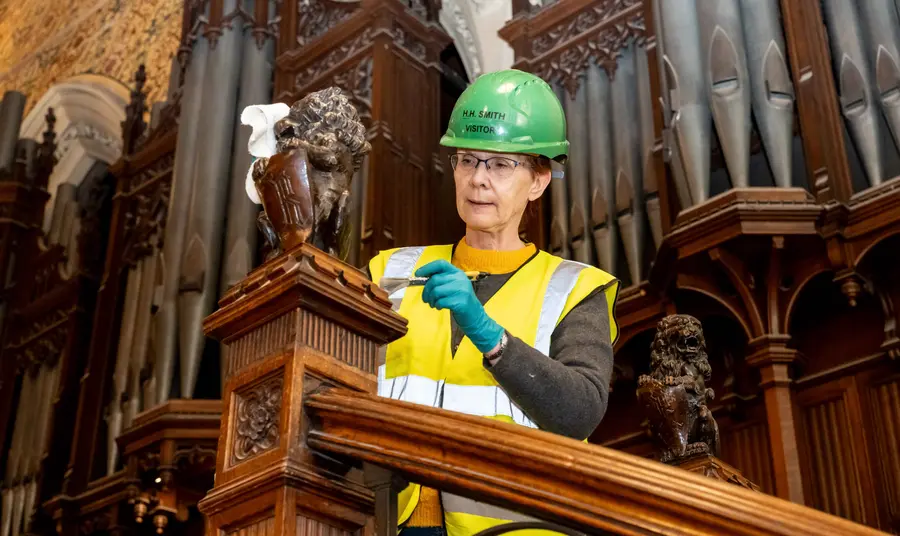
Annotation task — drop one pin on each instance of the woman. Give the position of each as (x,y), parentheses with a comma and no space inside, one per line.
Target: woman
(530,341)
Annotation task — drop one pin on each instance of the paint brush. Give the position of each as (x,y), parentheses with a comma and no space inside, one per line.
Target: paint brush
(393,284)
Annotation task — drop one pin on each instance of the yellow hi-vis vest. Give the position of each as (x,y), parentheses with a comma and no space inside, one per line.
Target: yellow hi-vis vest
(421,368)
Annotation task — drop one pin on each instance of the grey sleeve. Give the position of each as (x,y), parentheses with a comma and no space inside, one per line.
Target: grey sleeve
(565,393)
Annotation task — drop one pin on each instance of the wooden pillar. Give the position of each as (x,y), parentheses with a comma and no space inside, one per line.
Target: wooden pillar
(298,323)
(817,101)
(773,358)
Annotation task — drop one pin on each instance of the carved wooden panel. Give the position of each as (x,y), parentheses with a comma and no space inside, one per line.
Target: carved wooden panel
(836,471)
(257,415)
(746,447)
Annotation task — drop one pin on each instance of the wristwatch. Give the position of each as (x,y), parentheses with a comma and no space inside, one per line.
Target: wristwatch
(504,342)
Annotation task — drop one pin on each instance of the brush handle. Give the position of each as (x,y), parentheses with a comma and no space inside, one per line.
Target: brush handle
(420,281)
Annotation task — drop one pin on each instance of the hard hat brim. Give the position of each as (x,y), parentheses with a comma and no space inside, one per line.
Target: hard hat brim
(553,151)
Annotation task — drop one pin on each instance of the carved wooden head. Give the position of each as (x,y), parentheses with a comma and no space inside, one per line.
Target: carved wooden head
(305,186)
(679,342)
(328,122)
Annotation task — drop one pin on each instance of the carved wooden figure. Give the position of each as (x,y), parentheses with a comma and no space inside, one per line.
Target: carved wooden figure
(305,186)
(674,395)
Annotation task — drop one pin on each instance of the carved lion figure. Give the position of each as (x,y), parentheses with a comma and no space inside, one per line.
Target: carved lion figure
(674,395)
(305,186)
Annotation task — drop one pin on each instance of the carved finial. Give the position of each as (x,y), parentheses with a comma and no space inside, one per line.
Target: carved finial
(133,126)
(140,77)
(674,395)
(50,134)
(851,287)
(47,151)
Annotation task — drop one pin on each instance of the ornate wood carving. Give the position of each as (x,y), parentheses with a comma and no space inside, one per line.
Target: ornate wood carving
(263,439)
(557,44)
(305,186)
(337,56)
(674,395)
(316,17)
(258,414)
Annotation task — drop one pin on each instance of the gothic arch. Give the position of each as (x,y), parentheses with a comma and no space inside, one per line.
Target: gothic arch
(89,111)
(473,25)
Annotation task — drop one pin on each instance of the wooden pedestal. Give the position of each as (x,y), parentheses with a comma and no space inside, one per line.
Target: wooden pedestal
(300,322)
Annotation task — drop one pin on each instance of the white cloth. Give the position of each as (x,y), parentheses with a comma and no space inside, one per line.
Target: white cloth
(262,119)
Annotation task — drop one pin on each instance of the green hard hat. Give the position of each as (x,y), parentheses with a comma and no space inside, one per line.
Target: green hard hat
(509,111)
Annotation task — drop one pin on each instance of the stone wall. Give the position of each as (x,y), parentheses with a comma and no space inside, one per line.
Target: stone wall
(43,42)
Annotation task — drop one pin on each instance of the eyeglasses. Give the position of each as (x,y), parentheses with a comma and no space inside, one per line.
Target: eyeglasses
(498,167)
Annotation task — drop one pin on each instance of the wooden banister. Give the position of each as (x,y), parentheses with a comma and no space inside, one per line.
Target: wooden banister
(586,487)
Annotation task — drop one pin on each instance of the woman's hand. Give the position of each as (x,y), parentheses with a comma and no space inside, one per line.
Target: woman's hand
(448,287)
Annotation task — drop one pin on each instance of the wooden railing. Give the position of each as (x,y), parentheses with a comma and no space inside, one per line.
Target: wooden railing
(586,487)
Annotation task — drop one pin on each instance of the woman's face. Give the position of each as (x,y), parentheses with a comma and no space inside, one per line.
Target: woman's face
(493,189)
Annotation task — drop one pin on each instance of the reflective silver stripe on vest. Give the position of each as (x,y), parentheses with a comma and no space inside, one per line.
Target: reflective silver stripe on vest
(484,401)
(561,284)
(454,504)
(410,388)
(401,264)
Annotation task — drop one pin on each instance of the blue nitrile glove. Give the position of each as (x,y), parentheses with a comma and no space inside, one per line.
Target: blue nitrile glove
(449,288)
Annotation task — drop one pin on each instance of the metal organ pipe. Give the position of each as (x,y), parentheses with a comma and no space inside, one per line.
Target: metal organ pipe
(648,141)
(601,167)
(13,494)
(202,255)
(141,339)
(689,123)
(167,320)
(629,187)
(12,109)
(857,93)
(115,414)
(577,176)
(255,88)
(240,233)
(559,222)
(728,82)
(771,90)
(883,32)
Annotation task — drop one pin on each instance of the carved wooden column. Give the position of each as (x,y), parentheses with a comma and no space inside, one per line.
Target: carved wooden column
(773,358)
(298,322)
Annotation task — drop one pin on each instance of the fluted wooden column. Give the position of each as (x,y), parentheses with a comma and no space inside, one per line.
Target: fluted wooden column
(297,323)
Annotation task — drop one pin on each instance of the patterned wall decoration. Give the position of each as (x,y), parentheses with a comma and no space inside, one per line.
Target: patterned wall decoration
(41,44)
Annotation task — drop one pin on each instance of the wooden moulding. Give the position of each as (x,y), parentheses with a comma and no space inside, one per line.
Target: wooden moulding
(183,421)
(587,487)
(744,211)
(301,322)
